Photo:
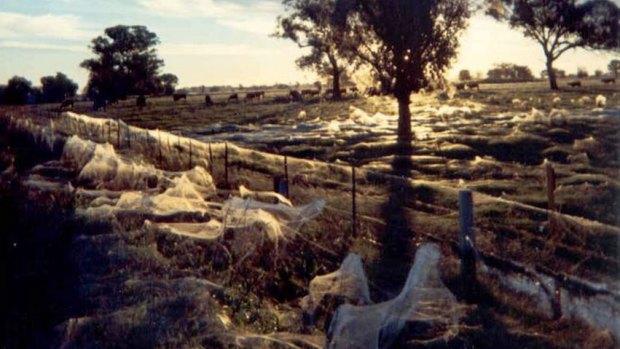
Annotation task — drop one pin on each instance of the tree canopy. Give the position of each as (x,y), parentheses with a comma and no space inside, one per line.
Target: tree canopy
(614,66)
(17,91)
(464,75)
(510,72)
(414,42)
(561,25)
(168,83)
(126,63)
(308,23)
(56,88)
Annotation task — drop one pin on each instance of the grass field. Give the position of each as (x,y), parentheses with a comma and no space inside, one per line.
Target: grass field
(133,281)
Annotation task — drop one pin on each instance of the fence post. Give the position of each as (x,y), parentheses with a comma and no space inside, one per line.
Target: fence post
(190,153)
(210,160)
(550,194)
(159,145)
(128,136)
(467,243)
(226,163)
(353,201)
(118,131)
(288,187)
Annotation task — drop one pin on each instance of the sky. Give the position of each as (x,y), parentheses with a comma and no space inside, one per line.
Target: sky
(219,42)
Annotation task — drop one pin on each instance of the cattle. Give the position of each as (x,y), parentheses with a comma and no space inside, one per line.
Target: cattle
(609,80)
(250,96)
(330,92)
(233,97)
(310,92)
(460,86)
(141,101)
(66,104)
(99,102)
(575,83)
(260,94)
(179,96)
(354,90)
(295,96)
(208,100)
(473,85)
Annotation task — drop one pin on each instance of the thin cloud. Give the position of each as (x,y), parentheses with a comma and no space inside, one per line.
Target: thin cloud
(17,25)
(211,50)
(43,46)
(255,17)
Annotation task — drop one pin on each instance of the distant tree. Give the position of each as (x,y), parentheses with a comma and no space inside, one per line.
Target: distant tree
(464,75)
(561,25)
(598,73)
(56,88)
(17,91)
(126,63)
(510,72)
(582,72)
(614,66)
(309,24)
(168,83)
(417,38)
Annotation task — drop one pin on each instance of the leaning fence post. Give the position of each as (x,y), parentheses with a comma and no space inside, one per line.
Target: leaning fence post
(118,131)
(353,201)
(550,194)
(128,136)
(226,163)
(467,243)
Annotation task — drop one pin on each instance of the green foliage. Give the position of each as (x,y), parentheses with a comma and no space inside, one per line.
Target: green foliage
(126,63)
(168,83)
(17,91)
(561,25)
(56,88)
(511,72)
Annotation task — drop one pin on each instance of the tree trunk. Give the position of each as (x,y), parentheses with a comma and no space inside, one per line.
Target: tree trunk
(551,73)
(336,80)
(404,121)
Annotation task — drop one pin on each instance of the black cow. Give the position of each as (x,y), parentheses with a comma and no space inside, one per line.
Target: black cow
(473,85)
(250,96)
(178,96)
(575,83)
(99,102)
(233,97)
(295,96)
(372,91)
(66,104)
(460,86)
(609,80)
(208,100)
(141,101)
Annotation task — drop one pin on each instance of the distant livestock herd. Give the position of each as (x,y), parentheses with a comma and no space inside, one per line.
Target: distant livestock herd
(293,95)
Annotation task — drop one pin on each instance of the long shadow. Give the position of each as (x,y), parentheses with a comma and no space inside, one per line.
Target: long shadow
(390,270)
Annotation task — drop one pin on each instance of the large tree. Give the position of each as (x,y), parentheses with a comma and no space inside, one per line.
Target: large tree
(168,83)
(56,88)
(561,25)
(417,40)
(126,63)
(308,24)
(17,91)
(614,66)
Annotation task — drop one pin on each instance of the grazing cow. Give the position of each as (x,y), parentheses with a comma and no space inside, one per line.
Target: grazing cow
(460,86)
(609,80)
(233,97)
(141,101)
(66,104)
(250,96)
(208,100)
(575,83)
(354,90)
(178,96)
(295,96)
(260,94)
(99,102)
(473,85)
(310,92)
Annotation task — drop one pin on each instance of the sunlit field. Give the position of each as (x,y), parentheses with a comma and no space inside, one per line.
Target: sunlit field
(137,257)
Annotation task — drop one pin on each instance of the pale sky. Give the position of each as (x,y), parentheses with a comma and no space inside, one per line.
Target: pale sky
(216,42)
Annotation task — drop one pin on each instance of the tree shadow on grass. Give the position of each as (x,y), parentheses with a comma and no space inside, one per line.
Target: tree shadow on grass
(390,270)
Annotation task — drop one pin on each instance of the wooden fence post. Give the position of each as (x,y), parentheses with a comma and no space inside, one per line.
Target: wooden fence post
(288,187)
(190,153)
(550,195)
(210,160)
(159,146)
(226,163)
(467,244)
(353,201)
(128,136)
(118,131)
